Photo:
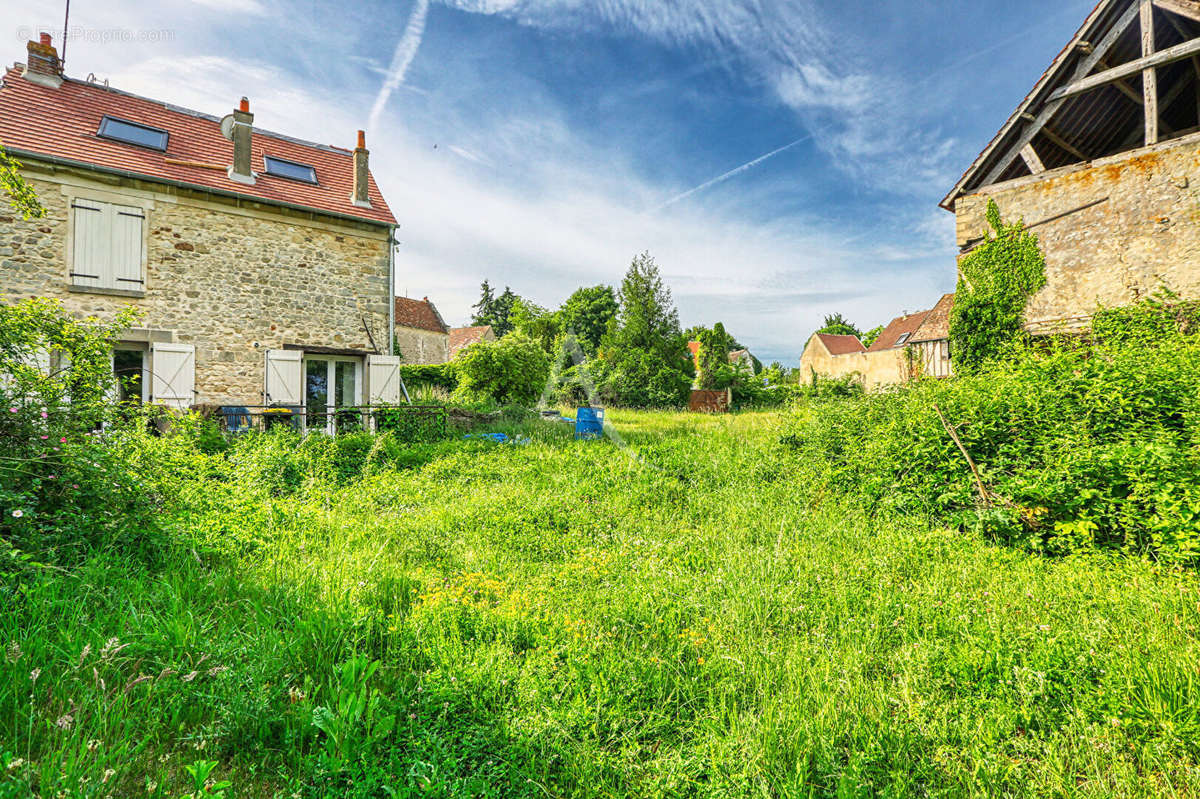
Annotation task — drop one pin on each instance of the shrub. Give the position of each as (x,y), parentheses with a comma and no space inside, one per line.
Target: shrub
(1078,446)
(440,375)
(67,485)
(512,370)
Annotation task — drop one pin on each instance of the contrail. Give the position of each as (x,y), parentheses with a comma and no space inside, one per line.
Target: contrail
(730,174)
(406,51)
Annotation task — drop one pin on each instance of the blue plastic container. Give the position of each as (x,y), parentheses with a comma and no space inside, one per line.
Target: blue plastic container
(589,423)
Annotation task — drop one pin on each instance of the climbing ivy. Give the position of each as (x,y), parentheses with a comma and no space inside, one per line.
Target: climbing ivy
(995,283)
(20,195)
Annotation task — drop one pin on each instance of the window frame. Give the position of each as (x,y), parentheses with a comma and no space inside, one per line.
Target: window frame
(267,159)
(107,119)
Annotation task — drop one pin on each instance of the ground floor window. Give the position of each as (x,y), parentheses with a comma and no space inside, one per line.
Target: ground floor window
(332,393)
(130,367)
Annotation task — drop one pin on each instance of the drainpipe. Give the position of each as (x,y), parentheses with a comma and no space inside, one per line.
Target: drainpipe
(392,290)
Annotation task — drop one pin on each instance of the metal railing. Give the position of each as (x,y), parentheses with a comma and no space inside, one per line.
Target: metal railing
(410,422)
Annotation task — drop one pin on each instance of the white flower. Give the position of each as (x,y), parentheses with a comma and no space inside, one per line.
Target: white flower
(18,514)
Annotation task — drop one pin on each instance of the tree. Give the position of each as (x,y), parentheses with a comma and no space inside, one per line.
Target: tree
(536,323)
(838,325)
(871,335)
(644,357)
(485,309)
(502,309)
(714,372)
(587,313)
(512,370)
(21,196)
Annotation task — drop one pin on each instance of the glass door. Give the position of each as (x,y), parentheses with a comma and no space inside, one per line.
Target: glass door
(331,385)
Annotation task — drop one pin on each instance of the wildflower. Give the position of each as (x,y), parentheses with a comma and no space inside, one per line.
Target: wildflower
(93,744)
(12,410)
(18,513)
(14,653)
(64,721)
(33,675)
(151,786)
(108,774)
(45,438)
(217,670)
(16,764)
(700,661)
(45,415)
(296,695)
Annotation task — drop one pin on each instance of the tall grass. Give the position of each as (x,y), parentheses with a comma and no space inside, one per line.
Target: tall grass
(694,614)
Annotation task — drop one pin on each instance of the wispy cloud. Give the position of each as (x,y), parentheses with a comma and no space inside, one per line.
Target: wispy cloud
(733,173)
(406,51)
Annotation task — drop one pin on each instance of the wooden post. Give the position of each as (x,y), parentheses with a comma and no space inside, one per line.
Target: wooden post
(1150,75)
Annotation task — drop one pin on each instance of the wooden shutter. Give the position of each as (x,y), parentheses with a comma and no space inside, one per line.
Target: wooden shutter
(173,375)
(383,380)
(284,383)
(126,242)
(90,247)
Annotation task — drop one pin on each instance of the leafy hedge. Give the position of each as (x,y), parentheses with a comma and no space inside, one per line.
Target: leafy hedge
(1079,445)
(440,375)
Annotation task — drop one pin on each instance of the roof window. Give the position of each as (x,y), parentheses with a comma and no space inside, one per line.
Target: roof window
(904,338)
(132,133)
(291,170)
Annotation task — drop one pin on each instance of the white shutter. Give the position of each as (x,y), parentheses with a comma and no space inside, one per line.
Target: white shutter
(90,247)
(284,385)
(126,243)
(42,362)
(383,380)
(173,375)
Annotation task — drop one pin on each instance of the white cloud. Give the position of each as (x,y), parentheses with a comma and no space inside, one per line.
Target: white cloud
(248,7)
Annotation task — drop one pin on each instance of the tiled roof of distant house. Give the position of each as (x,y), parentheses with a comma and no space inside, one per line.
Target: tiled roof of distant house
(420,315)
(936,326)
(62,123)
(841,345)
(461,337)
(899,332)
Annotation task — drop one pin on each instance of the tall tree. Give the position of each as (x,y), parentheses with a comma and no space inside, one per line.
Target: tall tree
(502,309)
(714,372)
(838,325)
(535,322)
(587,313)
(645,355)
(485,309)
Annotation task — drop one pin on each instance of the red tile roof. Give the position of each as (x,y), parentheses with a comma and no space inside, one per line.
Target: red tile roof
(891,336)
(419,314)
(62,123)
(461,337)
(937,322)
(841,345)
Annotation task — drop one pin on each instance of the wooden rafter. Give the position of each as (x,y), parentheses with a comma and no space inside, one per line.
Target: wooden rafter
(1055,103)
(1051,134)
(1162,58)
(1030,156)
(1184,8)
(1149,76)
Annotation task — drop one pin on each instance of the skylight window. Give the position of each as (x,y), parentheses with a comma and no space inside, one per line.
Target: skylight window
(903,339)
(132,133)
(291,170)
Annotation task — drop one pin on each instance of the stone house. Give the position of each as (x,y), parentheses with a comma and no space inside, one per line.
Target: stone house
(1101,161)
(827,355)
(930,344)
(261,265)
(463,337)
(422,336)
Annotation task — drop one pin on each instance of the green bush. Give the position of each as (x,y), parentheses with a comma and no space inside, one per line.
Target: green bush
(512,370)
(1079,446)
(67,486)
(439,375)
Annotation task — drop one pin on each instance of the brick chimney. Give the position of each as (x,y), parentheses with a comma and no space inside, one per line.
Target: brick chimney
(43,65)
(240,132)
(361,155)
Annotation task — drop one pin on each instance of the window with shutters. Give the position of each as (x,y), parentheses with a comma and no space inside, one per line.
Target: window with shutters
(107,245)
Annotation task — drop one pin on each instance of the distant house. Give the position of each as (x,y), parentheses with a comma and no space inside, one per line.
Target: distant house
(931,342)
(463,337)
(737,358)
(261,265)
(1099,160)
(827,355)
(422,336)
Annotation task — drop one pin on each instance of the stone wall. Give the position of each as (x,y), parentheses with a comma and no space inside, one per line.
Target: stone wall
(418,346)
(874,369)
(1112,231)
(232,281)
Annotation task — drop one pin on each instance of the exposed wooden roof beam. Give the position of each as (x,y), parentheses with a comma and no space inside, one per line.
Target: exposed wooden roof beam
(1184,8)
(1169,56)
(1054,104)
(1031,159)
(1149,76)
(1053,136)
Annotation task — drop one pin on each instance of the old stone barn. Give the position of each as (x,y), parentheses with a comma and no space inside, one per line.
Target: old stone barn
(1102,161)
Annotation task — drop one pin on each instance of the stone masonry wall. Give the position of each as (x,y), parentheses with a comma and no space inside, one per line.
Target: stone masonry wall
(233,282)
(1142,232)
(422,346)
(875,369)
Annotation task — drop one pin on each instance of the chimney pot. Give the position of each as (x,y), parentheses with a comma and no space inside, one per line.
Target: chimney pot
(245,106)
(362,140)
(46,40)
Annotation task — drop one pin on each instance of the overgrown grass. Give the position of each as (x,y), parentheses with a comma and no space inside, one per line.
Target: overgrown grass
(693,615)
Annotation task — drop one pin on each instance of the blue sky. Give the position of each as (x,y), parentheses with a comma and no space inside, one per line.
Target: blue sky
(543,143)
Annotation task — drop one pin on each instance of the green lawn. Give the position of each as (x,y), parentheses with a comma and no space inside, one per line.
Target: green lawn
(693,614)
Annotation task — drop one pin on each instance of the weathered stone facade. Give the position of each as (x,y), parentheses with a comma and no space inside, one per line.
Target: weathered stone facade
(1112,231)
(417,346)
(233,278)
(874,370)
